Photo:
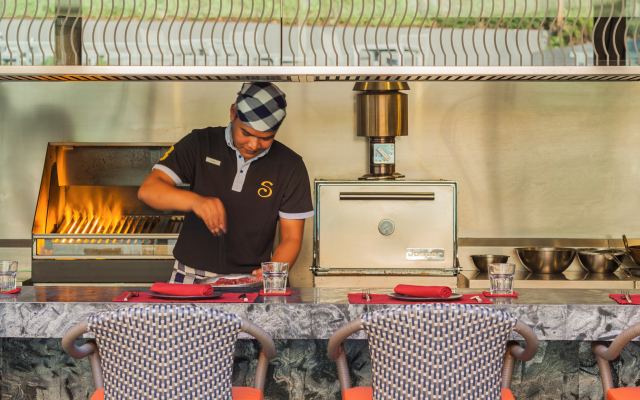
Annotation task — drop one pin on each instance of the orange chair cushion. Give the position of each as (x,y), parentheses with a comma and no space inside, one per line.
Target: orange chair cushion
(625,393)
(366,393)
(238,393)
(507,395)
(246,393)
(358,393)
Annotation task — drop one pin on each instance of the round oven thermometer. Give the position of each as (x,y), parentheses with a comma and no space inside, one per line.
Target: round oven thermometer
(386,227)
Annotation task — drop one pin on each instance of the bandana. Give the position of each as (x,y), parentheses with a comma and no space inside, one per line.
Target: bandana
(262,106)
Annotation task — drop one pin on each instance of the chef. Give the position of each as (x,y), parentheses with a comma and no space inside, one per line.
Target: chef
(242,182)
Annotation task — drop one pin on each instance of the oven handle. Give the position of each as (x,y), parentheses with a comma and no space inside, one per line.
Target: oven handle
(387,196)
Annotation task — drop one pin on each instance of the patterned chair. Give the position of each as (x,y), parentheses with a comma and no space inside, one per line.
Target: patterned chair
(167,352)
(435,351)
(605,354)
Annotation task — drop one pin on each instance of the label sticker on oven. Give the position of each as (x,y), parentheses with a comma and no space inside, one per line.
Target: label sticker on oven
(425,254)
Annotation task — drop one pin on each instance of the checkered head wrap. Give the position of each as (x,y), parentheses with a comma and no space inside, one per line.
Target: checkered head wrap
(262,106)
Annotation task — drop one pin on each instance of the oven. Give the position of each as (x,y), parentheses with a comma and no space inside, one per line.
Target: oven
(90,226)
(380,233)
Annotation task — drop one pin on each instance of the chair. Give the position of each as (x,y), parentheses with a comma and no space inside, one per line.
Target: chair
(435,351)
(605,354)
(167,352)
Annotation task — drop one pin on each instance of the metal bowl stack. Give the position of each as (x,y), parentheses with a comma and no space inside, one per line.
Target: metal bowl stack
(482,261)
(546,260)
(601,261)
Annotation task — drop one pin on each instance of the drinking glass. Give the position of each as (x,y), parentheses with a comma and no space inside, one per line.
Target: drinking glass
(274,276)
(8,274)
(501,278)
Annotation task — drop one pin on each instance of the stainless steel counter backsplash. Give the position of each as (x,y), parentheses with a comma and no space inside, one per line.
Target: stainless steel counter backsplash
(531,159)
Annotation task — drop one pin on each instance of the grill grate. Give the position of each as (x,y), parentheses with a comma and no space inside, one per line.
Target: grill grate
(127,224)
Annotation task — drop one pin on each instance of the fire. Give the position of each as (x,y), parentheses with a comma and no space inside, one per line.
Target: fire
(90,212)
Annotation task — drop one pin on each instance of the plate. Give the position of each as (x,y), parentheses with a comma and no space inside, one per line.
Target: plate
(212,279)
(214,295)
(404,297)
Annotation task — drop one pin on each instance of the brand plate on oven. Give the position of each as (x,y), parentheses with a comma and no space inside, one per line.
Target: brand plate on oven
(425,254)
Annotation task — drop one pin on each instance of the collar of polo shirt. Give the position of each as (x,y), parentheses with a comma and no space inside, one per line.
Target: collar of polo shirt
(242,165)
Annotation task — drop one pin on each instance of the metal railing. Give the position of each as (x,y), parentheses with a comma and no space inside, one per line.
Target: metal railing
(319,32)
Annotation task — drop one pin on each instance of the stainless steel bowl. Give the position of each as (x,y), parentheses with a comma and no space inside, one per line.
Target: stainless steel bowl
(482,261)
(601,261)
(546,260)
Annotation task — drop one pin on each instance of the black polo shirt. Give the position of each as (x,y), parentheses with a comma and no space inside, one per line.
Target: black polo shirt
(269,186)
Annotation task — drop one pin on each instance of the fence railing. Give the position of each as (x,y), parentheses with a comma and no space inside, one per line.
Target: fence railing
(320,32)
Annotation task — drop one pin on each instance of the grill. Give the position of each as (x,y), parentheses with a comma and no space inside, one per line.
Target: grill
(90,226)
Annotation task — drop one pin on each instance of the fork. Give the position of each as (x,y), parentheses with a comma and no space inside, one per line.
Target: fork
(135,293)
(366,294)
(627,296)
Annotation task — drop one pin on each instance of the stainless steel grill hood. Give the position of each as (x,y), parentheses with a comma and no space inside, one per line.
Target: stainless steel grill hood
(89,225)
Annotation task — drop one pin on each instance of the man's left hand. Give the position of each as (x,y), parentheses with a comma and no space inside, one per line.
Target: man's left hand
(257,272)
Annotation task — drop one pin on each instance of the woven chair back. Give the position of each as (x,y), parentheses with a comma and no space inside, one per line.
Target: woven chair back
(166,352)
(437,351)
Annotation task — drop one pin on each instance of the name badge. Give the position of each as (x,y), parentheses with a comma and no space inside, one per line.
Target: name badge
(213,161)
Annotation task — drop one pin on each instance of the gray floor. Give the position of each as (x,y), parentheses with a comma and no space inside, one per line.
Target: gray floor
(38,369)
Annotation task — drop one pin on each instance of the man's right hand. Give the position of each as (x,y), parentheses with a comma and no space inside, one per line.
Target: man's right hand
(211,211)
(160,192)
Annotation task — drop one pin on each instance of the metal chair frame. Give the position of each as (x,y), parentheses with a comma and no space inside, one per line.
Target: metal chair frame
(336,351)
(605,354)
(91,350)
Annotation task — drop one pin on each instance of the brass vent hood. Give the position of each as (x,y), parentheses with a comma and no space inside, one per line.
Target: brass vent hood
(381,116)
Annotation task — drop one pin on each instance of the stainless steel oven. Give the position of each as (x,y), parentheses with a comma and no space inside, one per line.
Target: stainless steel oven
(383,229)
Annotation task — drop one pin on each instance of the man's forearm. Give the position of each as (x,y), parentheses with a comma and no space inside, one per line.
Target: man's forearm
(163,196)
(287,251)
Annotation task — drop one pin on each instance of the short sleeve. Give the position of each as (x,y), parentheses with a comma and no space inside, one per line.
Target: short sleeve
(296,202)
(180,161)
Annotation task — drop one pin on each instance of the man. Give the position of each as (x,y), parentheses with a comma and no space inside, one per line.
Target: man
(242,183)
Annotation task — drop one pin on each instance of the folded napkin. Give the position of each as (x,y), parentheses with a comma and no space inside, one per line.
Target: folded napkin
(178,289)
(424,291)
(635,299)
(16,290)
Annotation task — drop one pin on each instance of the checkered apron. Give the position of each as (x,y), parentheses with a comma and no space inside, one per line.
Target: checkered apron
(166,352)
(183,274)
(437,351)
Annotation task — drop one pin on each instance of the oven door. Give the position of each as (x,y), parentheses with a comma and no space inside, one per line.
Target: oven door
(385,225)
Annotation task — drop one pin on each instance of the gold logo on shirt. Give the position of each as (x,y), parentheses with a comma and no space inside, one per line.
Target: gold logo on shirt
(167,153)
(265,190)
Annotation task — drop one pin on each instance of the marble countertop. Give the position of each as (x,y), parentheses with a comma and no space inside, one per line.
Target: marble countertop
(315,313)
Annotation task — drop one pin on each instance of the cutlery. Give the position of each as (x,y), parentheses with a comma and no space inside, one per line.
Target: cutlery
(132,294)
(477,298)
(626,295)
(366,294)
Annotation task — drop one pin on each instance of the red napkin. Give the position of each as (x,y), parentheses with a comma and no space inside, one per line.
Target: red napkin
(488,294)
(635,299)
(356,298)
(178,289)
(225,298)
(424,291)
(16,290)
(287,293)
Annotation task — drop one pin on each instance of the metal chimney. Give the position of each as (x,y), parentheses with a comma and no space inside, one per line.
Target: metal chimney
(382,115)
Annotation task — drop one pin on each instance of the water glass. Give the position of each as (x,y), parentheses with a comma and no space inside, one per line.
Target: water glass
(274,276)
(501,278)
(8,274)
